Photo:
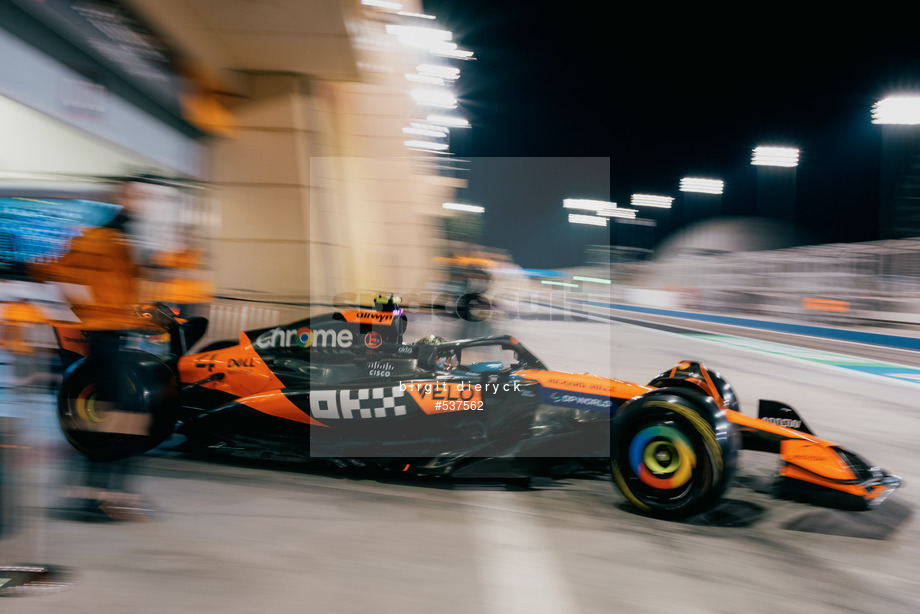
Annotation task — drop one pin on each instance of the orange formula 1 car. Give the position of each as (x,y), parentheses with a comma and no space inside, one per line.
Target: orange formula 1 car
(344,388)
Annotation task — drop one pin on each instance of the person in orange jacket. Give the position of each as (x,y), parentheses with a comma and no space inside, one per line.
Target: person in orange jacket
(101,263)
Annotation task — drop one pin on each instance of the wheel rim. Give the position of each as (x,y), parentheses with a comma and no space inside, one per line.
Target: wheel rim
(662,457)
(668,459)
(85,405)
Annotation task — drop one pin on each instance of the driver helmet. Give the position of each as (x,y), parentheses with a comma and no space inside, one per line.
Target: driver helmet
(430,340)
(387,303)
(446,362)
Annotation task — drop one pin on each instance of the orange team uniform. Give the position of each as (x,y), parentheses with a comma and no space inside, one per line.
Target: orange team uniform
(100,260)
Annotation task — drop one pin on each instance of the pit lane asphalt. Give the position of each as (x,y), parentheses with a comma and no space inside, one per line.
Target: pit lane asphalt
(237,537)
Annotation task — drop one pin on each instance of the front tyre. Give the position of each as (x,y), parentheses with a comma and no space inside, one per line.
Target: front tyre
(672,453)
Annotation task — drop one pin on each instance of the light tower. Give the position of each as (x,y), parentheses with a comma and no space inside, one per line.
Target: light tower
(776,168)
(702,199)
(899,212)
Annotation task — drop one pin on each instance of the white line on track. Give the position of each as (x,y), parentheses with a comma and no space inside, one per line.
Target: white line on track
(829,368)
(516,566)
(687,323)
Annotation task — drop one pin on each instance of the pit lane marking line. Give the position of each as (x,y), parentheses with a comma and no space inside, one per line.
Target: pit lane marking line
(682,322)
(900,343)
(885,372)
(827,368)
(853,363)
(517,570)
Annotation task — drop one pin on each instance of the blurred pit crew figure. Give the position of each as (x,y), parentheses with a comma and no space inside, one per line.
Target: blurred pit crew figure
(105,278)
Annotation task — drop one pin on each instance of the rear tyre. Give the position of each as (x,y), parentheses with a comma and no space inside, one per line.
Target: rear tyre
(672,453)
(111,412)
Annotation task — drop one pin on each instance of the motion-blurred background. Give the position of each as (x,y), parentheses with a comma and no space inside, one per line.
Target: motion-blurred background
(272,159)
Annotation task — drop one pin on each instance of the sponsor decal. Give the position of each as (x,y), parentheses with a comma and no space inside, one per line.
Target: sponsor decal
(380,369)
(74,340)
(360,403)
(788,423)
(369,317)
(373,340)
(808,458)
(207,363)
(241,365)
(404,349)
(437,397)
(799,452)
(304,338)
(579,401)
(583,384)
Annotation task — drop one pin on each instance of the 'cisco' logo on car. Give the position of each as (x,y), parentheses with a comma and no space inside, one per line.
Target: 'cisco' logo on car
(304,338)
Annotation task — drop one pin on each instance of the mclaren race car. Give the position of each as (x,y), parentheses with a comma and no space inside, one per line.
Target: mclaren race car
(346,388)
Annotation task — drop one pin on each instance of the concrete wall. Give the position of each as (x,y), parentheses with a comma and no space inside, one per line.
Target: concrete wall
(318,194)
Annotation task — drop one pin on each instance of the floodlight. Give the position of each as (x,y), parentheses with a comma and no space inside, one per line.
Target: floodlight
(422,130)
(426,79)
(447,120)
(426,145)
(449,50)
(904,110)
(383,4)
(590,220)
(586,204)
(618,212)
(650,200)
(419,33)
(462,207)
(702,186)
(438,70)
(775,156)
(416,15)
(434,98)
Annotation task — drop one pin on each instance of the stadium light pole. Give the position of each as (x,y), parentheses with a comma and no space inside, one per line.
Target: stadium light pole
(776,170)
(660,213)
(582,236)
(702,199)
(587,204)
(899,117)
(602,209)
(464,207)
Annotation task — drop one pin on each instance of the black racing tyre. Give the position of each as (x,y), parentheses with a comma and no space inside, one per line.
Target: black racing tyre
(672,453)
(111,413)
(474,307)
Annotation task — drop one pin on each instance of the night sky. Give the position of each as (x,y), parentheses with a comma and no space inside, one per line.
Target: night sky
(665,95)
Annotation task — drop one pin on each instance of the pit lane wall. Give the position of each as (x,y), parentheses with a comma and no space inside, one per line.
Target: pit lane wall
(318,195)
(872,284)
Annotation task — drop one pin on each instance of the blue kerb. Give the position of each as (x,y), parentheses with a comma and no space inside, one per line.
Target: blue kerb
(907,343)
